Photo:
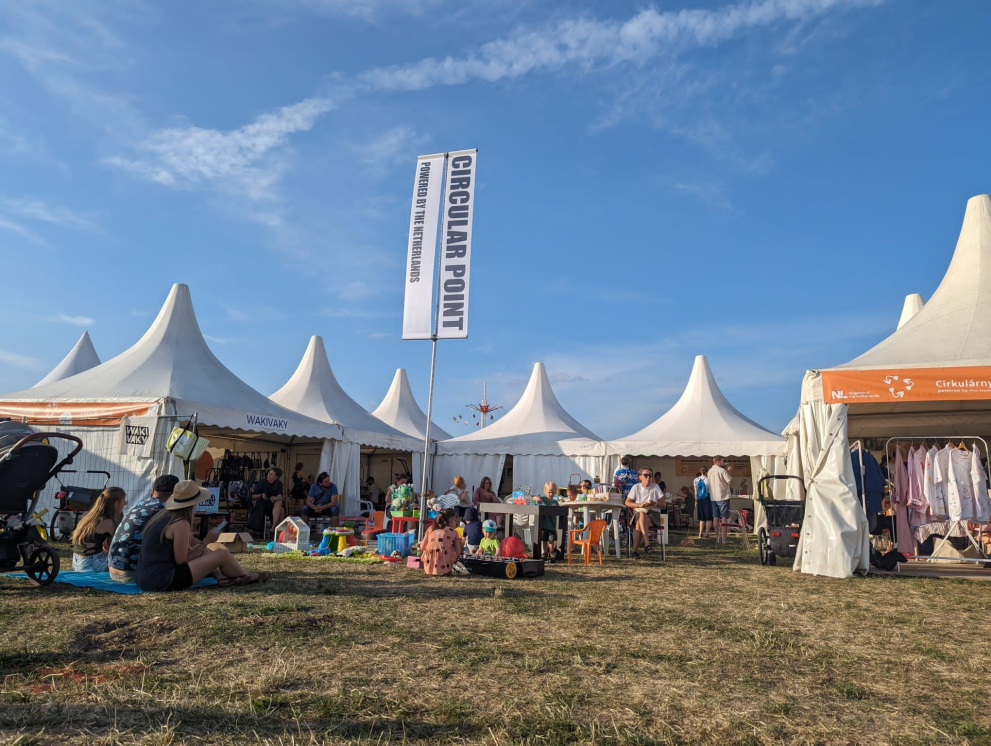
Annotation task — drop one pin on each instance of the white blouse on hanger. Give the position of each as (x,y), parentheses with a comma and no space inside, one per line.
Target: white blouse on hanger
(932,485)
(961,502)
(980,482)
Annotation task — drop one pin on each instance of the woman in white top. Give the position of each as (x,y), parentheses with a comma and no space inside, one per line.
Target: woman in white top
(645,500)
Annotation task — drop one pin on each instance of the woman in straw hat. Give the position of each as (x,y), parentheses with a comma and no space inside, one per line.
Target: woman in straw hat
(164,563)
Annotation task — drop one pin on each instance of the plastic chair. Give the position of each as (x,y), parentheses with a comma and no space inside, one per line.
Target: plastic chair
(595,529)
(738,525)
(688,511)
(375,525)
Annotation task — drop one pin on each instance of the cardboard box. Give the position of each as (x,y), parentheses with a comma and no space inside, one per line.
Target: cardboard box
(233,542)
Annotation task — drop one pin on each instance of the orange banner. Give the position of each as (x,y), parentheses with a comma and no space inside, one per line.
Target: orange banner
(905,385)
(67,413)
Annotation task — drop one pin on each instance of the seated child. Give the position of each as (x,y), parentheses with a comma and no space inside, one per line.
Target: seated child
(572,497)
(473,530)
(490,544)
(91,539)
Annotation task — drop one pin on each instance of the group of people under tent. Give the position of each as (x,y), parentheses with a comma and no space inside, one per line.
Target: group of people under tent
(643,493)
(153,545)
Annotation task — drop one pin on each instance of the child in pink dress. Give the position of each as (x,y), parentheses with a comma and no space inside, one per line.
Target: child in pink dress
(442,546)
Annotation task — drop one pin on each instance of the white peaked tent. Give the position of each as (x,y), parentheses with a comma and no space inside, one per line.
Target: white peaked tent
(701,423)
(913,304)
(313,390)
(931,377)
(400,410)
(81,357)
(546,443)
(169,374)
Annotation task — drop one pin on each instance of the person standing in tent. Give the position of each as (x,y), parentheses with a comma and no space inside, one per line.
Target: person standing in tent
(272,494)
(703,504)
(625,477)
(720,488)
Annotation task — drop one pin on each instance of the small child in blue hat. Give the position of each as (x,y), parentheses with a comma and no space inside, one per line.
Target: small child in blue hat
(489,544)
(473,530)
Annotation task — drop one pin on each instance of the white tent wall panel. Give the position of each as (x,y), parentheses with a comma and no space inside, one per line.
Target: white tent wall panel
(101,453)
(534,471)
(472,467)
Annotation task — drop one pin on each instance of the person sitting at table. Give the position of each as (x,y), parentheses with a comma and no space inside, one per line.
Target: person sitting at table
(485,494)
(270,492)
(441,546)
(458,490)
(573,496)
(586,489)
(322,502)
(645,500)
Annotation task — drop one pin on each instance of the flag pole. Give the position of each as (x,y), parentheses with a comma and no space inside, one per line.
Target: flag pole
(433,363)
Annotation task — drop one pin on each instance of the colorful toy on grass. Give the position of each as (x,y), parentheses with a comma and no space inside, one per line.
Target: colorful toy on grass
(335,541)
(292,535)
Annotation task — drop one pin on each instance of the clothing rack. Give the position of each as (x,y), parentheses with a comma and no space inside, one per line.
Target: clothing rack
(962,524)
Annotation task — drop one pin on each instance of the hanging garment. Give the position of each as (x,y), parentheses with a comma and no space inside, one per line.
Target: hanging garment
(933,482)
(980,483)
(961,502)
(873,480)
(917,503)
(902,498)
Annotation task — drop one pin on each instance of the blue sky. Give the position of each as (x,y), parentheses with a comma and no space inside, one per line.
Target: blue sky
(762,182)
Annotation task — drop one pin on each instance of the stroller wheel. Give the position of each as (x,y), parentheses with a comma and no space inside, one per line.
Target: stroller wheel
(43,565)
(762,546)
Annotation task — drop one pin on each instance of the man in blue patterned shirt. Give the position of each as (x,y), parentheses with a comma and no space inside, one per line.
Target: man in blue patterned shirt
(625,477)
(126,544)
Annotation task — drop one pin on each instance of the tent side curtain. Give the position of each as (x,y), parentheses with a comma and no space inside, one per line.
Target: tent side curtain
(472,467)
(521,447)
(835,541)
(534,471)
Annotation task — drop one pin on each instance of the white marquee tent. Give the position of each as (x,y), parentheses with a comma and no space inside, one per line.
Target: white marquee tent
(913,304)
(313,390)
(546,443)
(701,423)
(81,357)
(400,410)
(928,378)
(169,374)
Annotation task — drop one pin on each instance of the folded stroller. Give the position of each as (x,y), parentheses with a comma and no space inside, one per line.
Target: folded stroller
(27,462)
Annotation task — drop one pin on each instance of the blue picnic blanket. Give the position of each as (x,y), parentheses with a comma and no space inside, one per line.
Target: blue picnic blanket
(101,581)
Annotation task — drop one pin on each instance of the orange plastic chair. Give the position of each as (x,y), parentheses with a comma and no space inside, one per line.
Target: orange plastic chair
(595,529)
(375,525)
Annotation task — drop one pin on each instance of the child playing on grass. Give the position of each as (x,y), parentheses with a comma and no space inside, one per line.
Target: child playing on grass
(91,539)
(489,544)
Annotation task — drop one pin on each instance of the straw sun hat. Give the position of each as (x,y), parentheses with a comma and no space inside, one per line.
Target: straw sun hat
(185,494)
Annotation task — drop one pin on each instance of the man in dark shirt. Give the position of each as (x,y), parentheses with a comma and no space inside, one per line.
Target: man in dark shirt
(271,491)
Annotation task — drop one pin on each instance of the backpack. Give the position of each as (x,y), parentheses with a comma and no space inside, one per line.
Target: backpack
(701,491)
(255,522)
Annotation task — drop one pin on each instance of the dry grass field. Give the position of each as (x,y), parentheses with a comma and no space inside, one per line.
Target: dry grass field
(706,648)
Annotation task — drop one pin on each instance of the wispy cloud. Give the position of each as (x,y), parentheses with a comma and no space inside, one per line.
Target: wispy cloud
(379,335)
(219,340)
(73,320)
(589,44)
(20,361)
(25,233)
(38,210)
(707,192)
(395,146)
(242,160)
(369,10)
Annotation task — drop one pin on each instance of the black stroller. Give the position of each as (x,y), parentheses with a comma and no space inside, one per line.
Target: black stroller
(784,522)
(27,462)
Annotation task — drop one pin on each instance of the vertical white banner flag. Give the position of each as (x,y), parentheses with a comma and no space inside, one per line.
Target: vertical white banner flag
(455,255)
(419,308)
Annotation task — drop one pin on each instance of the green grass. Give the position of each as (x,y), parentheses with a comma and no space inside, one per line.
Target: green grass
(706,648)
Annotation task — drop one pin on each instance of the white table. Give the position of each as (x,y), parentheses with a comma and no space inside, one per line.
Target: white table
(597,508)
